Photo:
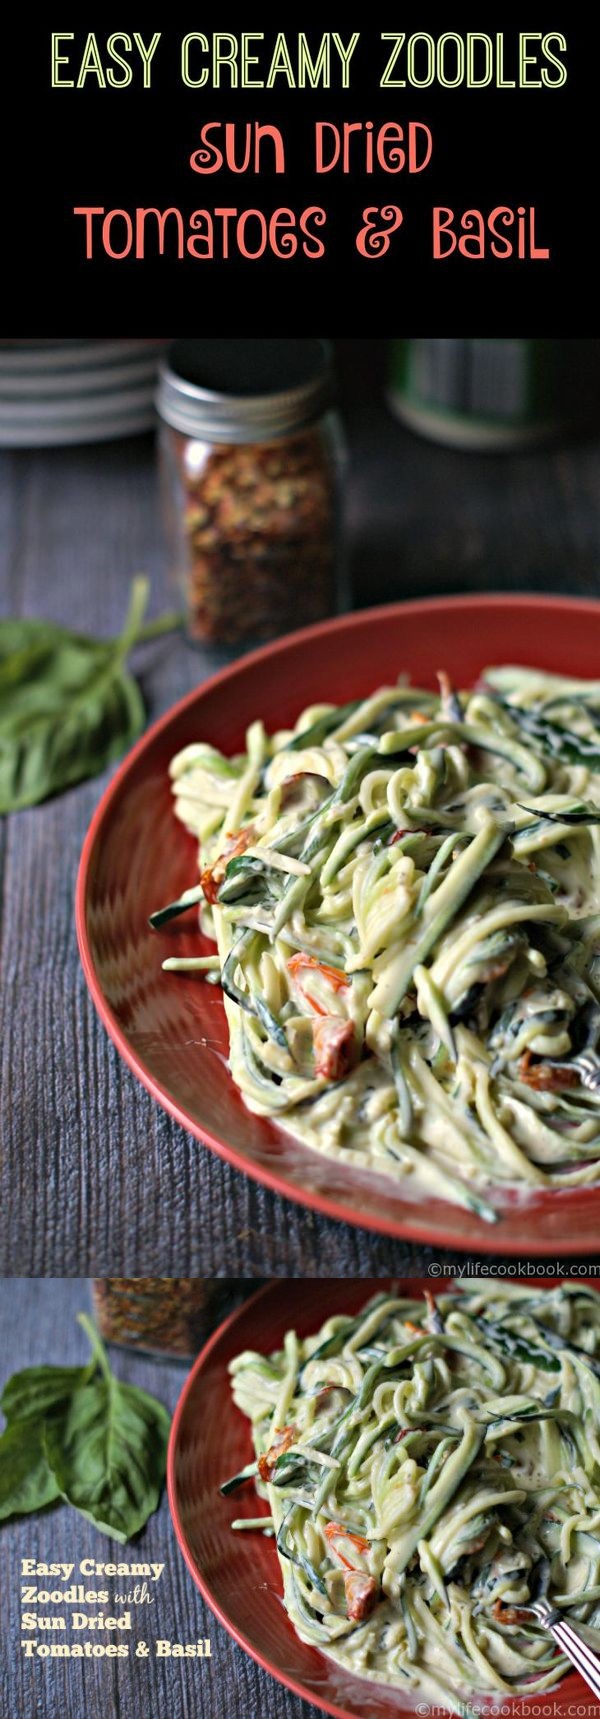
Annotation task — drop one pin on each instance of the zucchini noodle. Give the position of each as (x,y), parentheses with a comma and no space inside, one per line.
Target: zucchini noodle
(404,894)
(431,1466)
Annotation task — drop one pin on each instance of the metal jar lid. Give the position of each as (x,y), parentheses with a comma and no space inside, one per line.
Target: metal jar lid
(244,390)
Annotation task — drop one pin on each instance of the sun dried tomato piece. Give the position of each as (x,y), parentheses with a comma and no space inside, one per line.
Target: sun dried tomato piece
(339,981)
(543,1078)
(284,1437)
(335,1047)
(361,1595)
(210,883)
(510,1614)
(212,877)
(336,1531)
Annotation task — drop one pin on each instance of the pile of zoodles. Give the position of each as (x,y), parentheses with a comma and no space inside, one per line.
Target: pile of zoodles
(431,1466)
(404,893)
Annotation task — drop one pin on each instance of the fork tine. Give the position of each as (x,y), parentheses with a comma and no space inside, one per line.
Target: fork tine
(589,1068)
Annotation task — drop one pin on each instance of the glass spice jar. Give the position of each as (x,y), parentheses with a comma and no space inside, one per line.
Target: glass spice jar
(162,1315)
(251,455)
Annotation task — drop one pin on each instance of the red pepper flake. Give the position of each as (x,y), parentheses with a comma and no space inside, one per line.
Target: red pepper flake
(361,1595)
(415,830)
(170,1314)
(326,1392)
(335,1047)
(259,524)
(284,1437)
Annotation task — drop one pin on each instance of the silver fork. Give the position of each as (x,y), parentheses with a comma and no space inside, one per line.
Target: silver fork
(569,1639)
(587,1065)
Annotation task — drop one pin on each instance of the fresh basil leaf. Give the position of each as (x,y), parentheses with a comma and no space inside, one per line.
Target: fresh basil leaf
(107,1450)
(26,1480)
(37,1389)
(68,706)
(580,815)
(550,738)
(510,1343)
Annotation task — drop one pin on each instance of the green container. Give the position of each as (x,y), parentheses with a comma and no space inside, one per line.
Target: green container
(489,393)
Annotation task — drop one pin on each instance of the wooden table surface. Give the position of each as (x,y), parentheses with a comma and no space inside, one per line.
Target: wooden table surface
(94,1176)
(37,1324)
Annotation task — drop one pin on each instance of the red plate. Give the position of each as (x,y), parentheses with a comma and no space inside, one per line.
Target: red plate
(171,1029)
(238,1574)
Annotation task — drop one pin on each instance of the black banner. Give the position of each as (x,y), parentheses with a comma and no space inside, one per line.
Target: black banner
(418,181)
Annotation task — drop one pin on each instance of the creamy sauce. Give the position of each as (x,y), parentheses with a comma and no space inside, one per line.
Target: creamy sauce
(405,897)
(447,1455)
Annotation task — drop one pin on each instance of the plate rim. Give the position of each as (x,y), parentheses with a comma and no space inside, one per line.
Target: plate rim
(413,1228)
(197,1576)
(223,1330)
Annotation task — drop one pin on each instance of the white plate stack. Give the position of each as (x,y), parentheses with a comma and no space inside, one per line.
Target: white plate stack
(53,392)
